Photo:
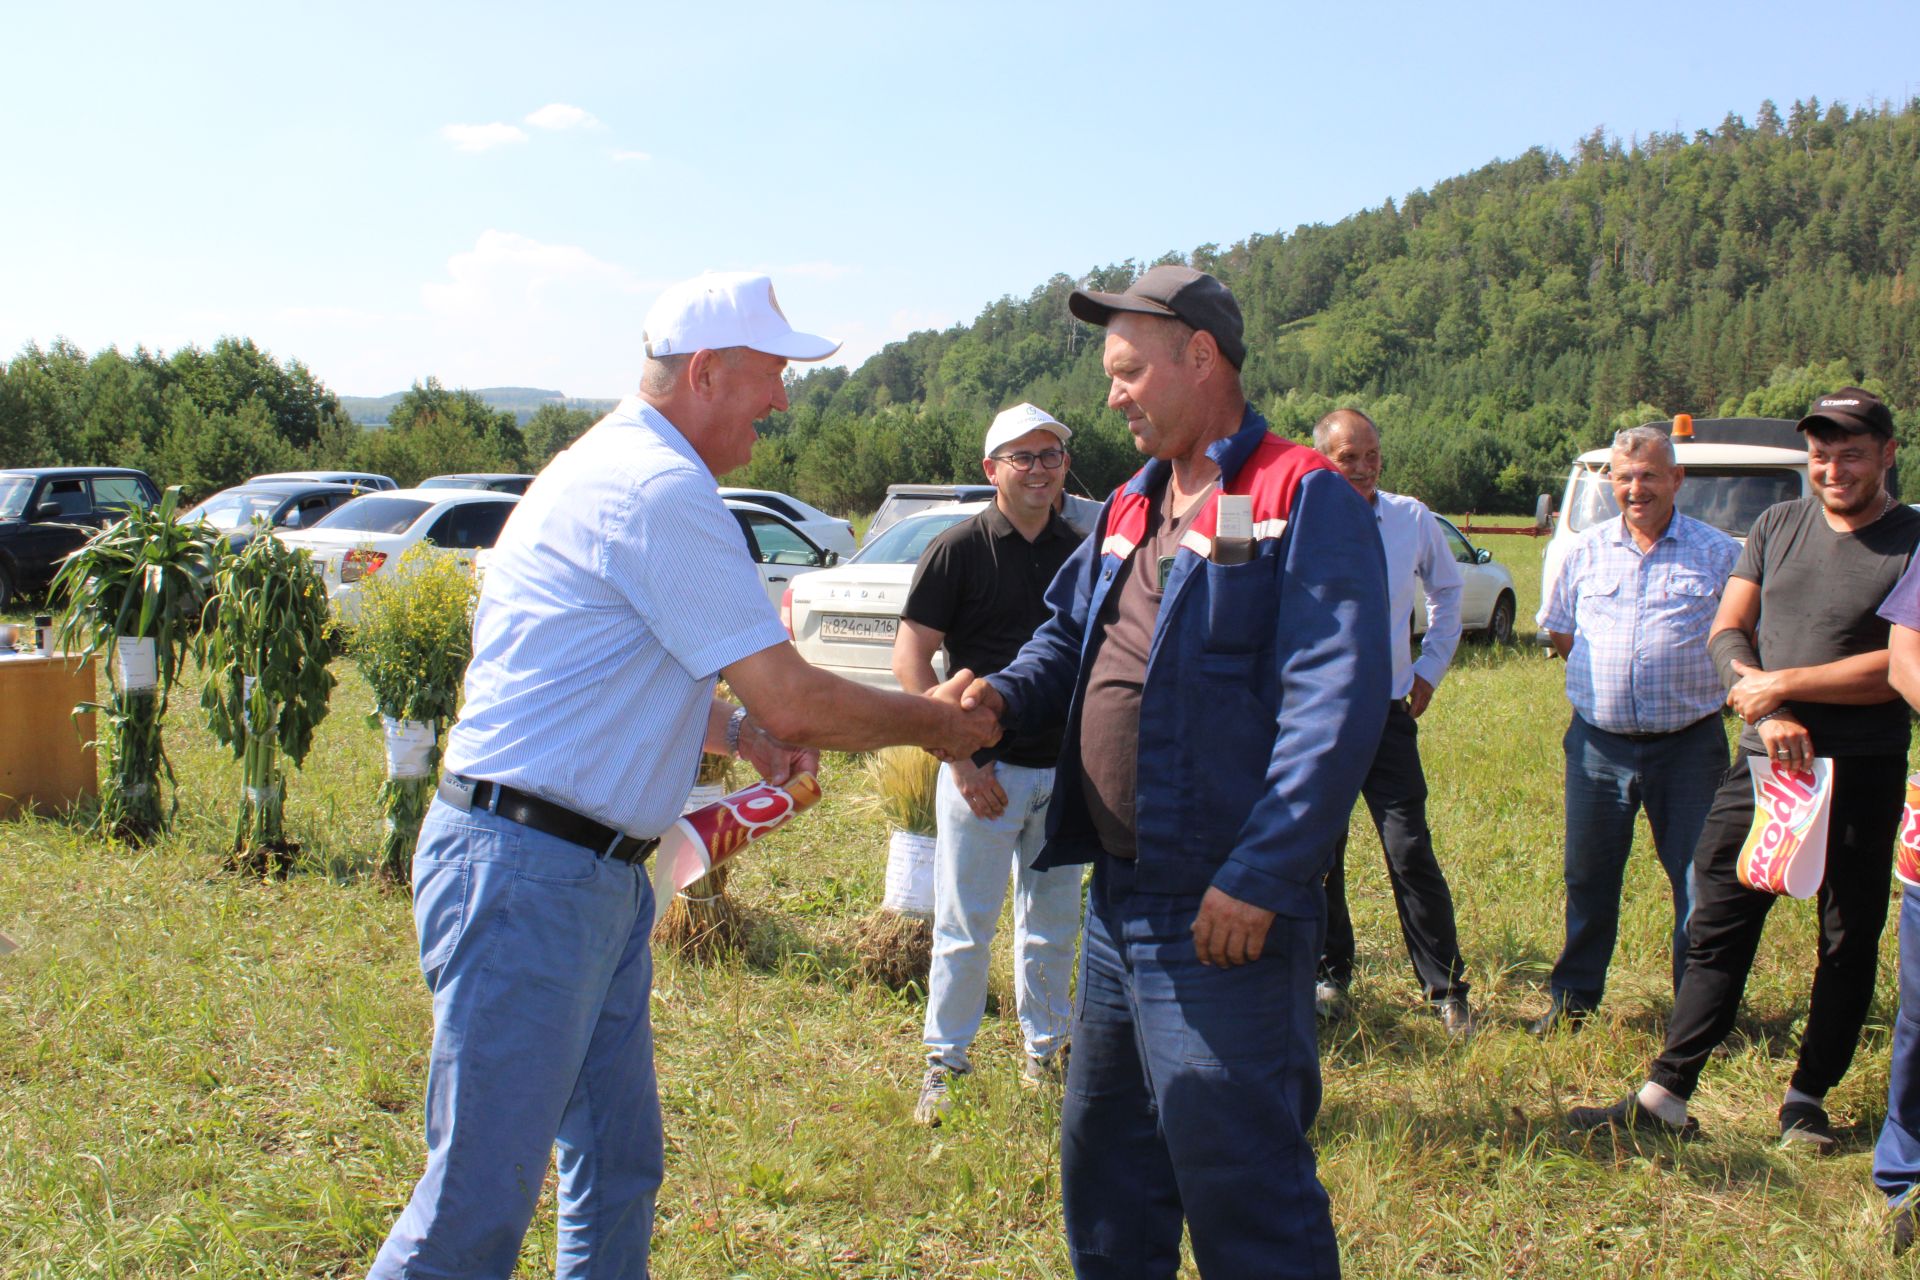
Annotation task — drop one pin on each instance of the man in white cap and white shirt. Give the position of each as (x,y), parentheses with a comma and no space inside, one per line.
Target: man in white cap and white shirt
(618,591)
(979,592)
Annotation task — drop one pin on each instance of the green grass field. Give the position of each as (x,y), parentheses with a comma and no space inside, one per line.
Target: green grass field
(209,1076)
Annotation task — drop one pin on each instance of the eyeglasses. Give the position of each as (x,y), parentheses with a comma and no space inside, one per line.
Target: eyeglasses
(1048,458)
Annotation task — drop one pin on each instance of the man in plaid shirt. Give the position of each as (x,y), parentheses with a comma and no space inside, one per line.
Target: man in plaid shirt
(1630,612)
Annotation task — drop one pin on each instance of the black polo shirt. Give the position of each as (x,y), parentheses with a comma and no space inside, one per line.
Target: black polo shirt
(982,585)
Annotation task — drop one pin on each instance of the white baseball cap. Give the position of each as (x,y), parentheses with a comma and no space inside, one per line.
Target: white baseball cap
(727,309)
(1011,424)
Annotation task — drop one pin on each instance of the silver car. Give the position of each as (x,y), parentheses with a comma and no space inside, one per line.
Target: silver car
(844,619)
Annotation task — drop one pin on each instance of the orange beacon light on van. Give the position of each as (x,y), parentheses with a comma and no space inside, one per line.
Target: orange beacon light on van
(1683,426)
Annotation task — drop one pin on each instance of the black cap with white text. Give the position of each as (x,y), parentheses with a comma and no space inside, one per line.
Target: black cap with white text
(1853,411)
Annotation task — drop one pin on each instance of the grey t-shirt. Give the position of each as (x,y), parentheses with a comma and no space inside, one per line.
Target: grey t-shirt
(1820,592)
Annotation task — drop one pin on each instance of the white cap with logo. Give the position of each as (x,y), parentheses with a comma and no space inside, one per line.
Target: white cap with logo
(1013,423)
(727,309)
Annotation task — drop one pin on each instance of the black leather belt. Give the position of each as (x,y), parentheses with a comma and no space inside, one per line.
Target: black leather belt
(546,817)
(1655,737)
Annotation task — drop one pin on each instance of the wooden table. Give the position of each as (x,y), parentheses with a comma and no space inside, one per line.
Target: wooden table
(43,763)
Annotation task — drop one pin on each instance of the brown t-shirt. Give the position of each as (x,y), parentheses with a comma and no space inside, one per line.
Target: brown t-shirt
(1110,715)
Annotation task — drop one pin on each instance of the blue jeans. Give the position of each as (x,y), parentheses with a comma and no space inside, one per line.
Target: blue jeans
(1610,777)
(972,859)
(1896,1156)
(536,953)
(1189,1095)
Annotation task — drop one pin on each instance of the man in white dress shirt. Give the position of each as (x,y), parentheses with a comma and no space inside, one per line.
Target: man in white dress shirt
(619,590)
(1396,788)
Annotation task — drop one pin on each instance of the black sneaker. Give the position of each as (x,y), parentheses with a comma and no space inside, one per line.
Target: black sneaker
(1559,1016)
(1456,1017)
(1802,1124)
(1901,1229)
(1628,1116)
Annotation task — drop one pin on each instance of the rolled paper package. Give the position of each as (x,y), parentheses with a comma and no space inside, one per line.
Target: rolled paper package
(703,839)
(1786,848)
(1906,854)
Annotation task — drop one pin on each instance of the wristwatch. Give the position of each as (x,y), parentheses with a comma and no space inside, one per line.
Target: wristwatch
(734,721)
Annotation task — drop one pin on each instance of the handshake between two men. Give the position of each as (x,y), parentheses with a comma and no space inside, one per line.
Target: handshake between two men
(795,710)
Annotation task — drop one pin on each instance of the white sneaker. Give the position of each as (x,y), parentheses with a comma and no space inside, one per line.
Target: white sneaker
(1329,1001)
(1037,1073)
(934,1102)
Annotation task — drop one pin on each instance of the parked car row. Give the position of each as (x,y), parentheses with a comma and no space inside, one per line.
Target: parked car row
(842,616)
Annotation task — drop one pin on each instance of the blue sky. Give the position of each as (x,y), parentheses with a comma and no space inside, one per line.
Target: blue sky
(492,194)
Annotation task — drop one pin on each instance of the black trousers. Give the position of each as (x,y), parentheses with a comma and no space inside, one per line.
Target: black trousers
(1724,932)
(1396,796)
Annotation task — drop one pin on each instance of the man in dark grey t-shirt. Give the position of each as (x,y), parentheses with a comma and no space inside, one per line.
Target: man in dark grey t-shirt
(1802,650)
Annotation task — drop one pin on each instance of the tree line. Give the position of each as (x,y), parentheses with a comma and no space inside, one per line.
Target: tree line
(1494,326)
(206,419)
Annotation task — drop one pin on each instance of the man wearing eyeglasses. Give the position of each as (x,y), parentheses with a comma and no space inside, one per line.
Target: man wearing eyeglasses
(979,593)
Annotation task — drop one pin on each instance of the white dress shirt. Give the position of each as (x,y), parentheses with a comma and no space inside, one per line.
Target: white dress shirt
(1416,548)
(620,586)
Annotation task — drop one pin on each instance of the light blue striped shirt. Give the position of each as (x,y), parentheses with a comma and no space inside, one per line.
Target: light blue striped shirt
(620,587)
(1418,554)
(1639,623)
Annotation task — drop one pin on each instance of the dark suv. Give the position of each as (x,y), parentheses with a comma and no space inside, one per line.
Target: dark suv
(46,512)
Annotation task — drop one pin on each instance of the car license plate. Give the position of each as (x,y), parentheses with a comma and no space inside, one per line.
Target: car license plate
(839,626)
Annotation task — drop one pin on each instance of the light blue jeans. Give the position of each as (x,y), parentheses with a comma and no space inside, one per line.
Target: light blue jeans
(536,953)
(972,859)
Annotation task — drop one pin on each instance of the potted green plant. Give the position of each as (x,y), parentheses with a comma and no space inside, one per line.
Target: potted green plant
(132,593)
(895,944)
(264,646)
(412,642)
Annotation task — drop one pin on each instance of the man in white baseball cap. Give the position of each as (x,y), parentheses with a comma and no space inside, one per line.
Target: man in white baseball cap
(618,591)
(727,309)
(979,592)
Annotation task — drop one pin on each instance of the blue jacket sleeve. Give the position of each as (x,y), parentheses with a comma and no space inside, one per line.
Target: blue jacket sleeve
(1038,684)
(1335,672)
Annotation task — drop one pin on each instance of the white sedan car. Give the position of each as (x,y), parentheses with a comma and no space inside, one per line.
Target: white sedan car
(780,551)
(843,619)
(361,536)
(1487,599)
(829,532)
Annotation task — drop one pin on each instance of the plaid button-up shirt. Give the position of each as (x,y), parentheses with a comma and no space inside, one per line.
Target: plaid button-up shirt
(1639,622)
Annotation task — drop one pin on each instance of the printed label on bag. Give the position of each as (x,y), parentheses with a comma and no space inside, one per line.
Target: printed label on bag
(409,746)
(137,663)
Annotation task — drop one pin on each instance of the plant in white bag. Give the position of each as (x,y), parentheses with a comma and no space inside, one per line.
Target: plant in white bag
(412,642)
(264,646)
(132,593)
(895,944)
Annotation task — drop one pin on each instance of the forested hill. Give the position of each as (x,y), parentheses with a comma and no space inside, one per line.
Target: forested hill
(522,402)
(1493,325)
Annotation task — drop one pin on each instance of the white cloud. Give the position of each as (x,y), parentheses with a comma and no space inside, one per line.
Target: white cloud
(560,115)
(481,137)
(506,273)
(632,155)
